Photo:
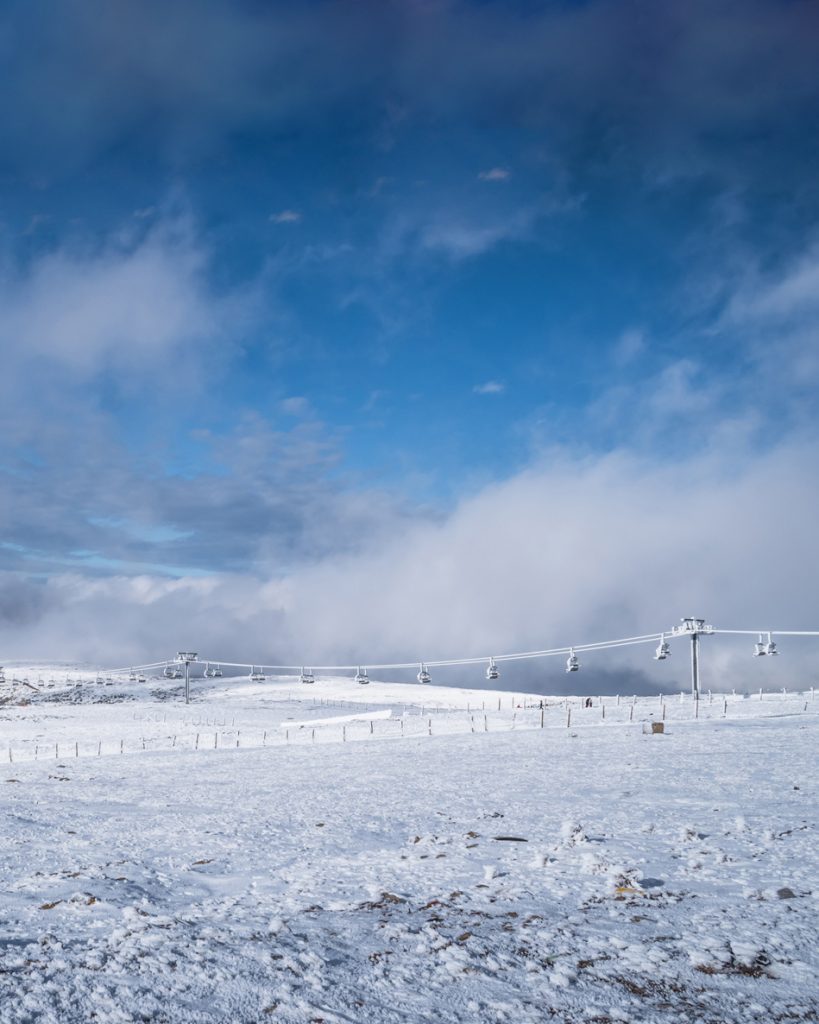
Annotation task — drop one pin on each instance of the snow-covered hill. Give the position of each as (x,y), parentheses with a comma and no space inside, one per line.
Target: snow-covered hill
(517,873)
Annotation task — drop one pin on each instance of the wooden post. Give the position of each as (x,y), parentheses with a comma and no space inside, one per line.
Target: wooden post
(485,724)
(541,717)
(371,727)
(663,712)
(472,720)
(429,723)
(631,713)
(569,718)
(344,734)
(196,745)
(122,745)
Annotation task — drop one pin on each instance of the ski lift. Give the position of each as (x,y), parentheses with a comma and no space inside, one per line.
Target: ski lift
(256,677)
(492,670)
(663,649)
(760,648)
(132,678)
(169,672)
(361,676)
(770,647)
(141,678)
(209,672)
(572,662)
(306,675)
(423,674)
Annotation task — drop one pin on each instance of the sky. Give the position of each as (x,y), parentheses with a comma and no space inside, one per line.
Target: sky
(359,331)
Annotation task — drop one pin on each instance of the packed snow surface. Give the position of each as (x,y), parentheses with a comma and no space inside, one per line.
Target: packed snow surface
(543,867)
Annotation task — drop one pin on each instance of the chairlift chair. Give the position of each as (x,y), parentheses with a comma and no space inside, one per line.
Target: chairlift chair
(169,672)
(770,647)
(306,676)
(256,677)
(361,676)
(663,650)
(492,670)
(217,672)
(132,676)
(760,648)
(572,662)
(141,678)
(423,674)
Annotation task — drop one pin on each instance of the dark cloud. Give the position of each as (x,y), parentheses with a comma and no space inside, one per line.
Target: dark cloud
(696,88)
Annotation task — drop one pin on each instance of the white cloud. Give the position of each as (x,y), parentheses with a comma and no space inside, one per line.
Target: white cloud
(491,387)
(286,217)
(129,304)
(295,405)
(568,551)
(494,174)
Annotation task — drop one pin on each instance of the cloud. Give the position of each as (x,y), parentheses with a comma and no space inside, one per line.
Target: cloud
(296,405)
(491,387)
(129,303)
(572,549)
(494,174)
(286,217)
(651,87)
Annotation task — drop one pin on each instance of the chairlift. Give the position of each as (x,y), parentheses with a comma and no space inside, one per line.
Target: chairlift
(663,649)
(760,648)
(141,678)
(256,677)
(132,677)
(306,675)
(572,662)
(770,647)
(217,672)
(423,674)
(169,672)
(492,671)
(209,672)
(361,676)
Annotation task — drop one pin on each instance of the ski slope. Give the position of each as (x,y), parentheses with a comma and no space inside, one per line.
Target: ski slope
(519,873)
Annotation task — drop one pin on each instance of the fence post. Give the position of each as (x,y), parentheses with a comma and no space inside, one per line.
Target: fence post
(602,709)
(371,727)
(215,740)
(541,717)
(663,712)
(472,720)
(99,748)
(631,713)
(429,724)
(485,724)
(724,707)
(344,734)
(10,757)
(76,748)
(313,740)
(122,745)
(196,745)
(238,734)
(568,718)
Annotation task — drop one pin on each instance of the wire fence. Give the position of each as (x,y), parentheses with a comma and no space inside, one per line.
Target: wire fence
(206,733)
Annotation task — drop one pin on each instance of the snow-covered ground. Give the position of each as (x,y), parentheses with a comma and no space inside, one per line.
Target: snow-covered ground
(581,870)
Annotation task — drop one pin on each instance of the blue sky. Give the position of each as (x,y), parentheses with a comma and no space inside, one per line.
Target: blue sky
(284,283)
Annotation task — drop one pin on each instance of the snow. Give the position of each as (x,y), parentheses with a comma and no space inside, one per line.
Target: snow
(518,873)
